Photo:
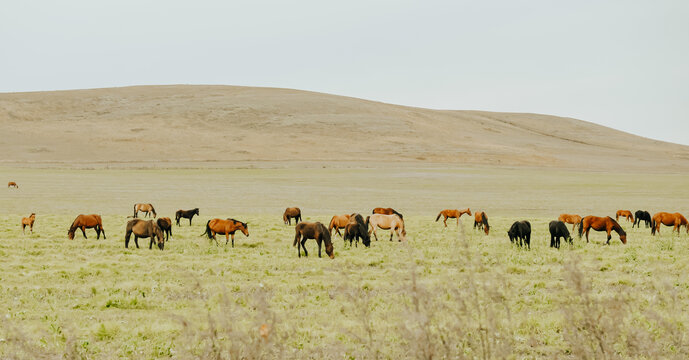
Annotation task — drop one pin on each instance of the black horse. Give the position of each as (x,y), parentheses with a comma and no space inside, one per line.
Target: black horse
(641,215)
(558,230)
(189,214)
(357,229)
(520,230)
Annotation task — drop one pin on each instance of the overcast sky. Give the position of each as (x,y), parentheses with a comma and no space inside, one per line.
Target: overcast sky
(623,64)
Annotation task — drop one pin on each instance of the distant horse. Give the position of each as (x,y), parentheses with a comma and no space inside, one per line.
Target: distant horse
(145,208)
(675,220)
(558,230)
(356,229)
(641,215)
(165,224)
(12,184)
(481,221)
(338,222)
(570,219)
(291,213)
(144,229)
(387,222)
(310,230)
(626,214)
(187,214)
(84,222)
(606,224)
(225,227)
(454,214)
(387,211)
(520,230)
(28,222)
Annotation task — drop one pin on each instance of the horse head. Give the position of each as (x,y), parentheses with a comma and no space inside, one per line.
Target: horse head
(245,229)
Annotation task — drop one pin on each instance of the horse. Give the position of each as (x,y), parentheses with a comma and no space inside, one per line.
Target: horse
(641,215)
(28,221)
(481,221)
(144,229)
(570,219)
(520,230)
(165,224)
(558,230)
(676,220)
(84,222)
(455,214)
(356,229)
(291,213)
(187,214)
(225,227)
(387,211)
(12,184)
(338,222)
(310,230)
(606,224)
(145,208)
(624,213)
(386,222)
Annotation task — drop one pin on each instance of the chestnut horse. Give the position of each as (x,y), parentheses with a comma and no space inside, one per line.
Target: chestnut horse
(454,214)
(624,213)
(144,229)
(165,224)
(317,231)
(338,222)
(225,227)
(481,221)
(28,222)
(606,224)
(387,211)
(387,222)
(12,184)
(291,213)
(144,208)
(676,220)
(84,222)
(570,219)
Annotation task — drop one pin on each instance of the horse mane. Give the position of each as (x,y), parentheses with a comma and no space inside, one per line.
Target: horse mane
(617,227)
(484,220)
(72,227)
(237,221)
(398,214)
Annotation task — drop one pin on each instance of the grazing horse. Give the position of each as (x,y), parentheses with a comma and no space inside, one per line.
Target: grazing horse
(570,219)
(558,230)
(291,213)
(12,184)
(165,224)
(624,213)
(225,227)
(144,229)
(356,229)
(387,211)
(520,230)
(481,221)
(605,223)
(84,222)
(386,222)
(454,214)
(338,222)
(641,215)
(676,220)
(310,230)
(145,208)
(28,221)
(187,214)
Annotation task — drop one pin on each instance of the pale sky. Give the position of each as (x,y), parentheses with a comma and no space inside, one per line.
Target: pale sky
(623,64)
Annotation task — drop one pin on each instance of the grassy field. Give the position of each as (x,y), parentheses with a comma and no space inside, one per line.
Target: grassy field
(452,293)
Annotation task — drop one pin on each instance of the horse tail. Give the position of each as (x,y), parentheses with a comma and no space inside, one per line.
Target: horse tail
(297,235)
(134,210)
(439,215)
(367,222)
(332,224)
(653,226)
(208,231)
(581,227)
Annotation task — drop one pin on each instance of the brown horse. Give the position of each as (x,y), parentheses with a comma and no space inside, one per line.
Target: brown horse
(144,208)
(481,222)
(291,213)
(605,223)
(356,229)
(165,224)
(84,222)
(338,222)
(387,211)
(28,222)
(676,220)
(570,219)
(317,231)
(624,213)
(454,214)
(12,184)
(225,227)
(144,229)
(390,222)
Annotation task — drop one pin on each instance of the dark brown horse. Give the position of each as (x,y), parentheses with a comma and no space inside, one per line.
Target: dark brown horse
(387,211)
(144,208)
(481,222)
(454,214)
(225,227)
(570,219)
(625,214)
(84,222)
(675,220)
(144,229)
(187,214)
(605,223)
(356,229)
(28,222)
(12,184)
(165,224)
(338,222)
(291,213)
(316,231)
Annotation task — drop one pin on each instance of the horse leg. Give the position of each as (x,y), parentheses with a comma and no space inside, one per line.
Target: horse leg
(303,245)
(190,220)
(587,234)
(318,240)
(609,236)
(83,231)
(232,240)
(445,221)
(392,230)
(374,233)
(227,238)
(150,244)
(458,219)
(136,241)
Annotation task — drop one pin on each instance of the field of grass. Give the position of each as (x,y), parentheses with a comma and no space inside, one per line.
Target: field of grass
(451,292)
